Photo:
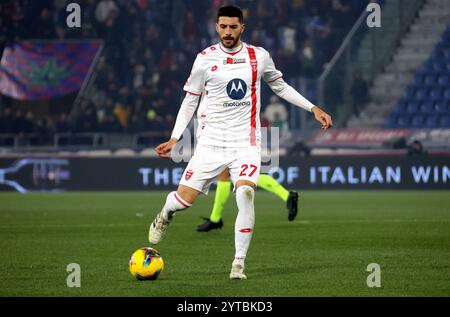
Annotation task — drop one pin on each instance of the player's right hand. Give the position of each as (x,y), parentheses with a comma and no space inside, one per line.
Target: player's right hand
(164,149)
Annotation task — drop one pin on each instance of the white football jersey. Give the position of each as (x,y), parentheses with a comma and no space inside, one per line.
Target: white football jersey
(230,86)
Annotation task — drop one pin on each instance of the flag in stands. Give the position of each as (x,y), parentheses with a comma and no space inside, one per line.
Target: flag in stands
(35,70)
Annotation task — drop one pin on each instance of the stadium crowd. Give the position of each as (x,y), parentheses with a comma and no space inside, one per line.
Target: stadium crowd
(150,45)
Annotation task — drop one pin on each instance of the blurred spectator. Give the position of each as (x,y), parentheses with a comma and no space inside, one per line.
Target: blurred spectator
(308,59)
(7,121)
(138,76)
(190,25)
(109,124)
(60,33)
(137,123)
(359,93)
(310,70)
(62,124)
(276,113)
(416,149)
(45,27)
(288,37)
(105,9)
(149,47)
(154,121)
(28,123)
(18,123)
(121,112)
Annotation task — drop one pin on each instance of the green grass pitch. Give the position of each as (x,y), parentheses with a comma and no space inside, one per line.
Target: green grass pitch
(324,252)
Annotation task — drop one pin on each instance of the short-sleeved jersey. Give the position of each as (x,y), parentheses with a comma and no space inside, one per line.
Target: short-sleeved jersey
(230,85)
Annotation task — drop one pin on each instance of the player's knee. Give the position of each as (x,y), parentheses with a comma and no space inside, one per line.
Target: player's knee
(246,192)
(241,183)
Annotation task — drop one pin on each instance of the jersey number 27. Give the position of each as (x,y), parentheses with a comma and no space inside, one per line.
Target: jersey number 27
(245,168)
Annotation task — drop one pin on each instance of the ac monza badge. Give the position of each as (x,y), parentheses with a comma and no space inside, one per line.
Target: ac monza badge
(188,174)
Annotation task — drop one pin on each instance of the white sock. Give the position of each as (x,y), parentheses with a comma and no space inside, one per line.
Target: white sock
(243,228)
(174,203)
(239,261)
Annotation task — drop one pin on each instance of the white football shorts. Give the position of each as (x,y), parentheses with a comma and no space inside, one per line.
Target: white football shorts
(208,162)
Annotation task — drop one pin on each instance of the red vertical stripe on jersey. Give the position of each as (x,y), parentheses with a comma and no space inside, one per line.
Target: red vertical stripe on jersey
(254,65)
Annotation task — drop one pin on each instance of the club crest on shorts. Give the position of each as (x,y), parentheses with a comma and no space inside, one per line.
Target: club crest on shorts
(188,174)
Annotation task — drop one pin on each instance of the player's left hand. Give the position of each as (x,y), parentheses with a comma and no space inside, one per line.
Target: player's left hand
(323,117)
(164,149)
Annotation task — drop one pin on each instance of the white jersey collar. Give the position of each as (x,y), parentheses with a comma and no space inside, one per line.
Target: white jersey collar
(232,50)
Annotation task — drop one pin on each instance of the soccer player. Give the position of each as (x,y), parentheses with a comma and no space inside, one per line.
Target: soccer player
(223,193)
(225,81)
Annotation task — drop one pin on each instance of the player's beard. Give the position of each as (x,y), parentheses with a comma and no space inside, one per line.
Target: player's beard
(230,42)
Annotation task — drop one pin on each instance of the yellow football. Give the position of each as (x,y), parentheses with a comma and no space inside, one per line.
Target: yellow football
(146,264)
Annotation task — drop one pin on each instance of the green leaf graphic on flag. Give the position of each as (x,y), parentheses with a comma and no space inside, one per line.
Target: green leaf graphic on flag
(48,74)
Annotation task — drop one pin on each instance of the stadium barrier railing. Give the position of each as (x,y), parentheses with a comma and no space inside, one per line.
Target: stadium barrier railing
(31,142)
